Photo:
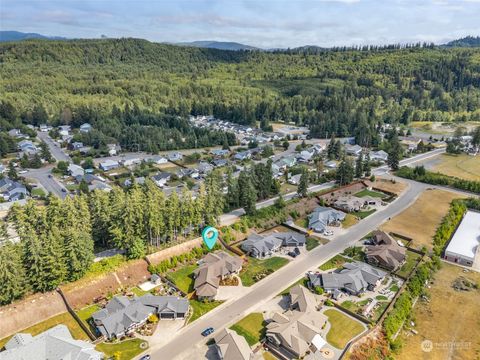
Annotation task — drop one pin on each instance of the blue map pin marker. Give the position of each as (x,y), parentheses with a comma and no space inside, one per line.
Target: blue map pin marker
(210,236)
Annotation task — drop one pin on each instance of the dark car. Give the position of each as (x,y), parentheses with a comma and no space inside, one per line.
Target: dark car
(50,176)
(297,251)
(64,190)
(292,254)
(145,357)
(208,331)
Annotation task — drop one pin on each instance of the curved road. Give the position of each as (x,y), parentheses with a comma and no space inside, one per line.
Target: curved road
(232,310)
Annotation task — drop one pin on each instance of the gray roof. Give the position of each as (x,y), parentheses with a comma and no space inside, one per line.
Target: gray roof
(55,343)
(323,216)
(121,312)
(232,346)
(354,277)
(261,245)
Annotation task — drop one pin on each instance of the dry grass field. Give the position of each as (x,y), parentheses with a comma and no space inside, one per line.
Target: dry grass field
(421,219)
(386,185)
(463,166)
(451,320)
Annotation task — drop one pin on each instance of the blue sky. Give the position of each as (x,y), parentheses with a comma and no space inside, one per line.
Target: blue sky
(262,23)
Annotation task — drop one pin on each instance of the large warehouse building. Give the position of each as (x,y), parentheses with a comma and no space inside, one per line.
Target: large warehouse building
(465,243)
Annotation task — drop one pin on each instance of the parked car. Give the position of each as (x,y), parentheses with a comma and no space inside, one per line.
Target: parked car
(145,357)
(64,190)
(297,251)
(292,254)
(328,233)
(208,331)
(50,176)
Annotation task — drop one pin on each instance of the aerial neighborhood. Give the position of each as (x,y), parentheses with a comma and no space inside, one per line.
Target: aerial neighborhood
(177,198)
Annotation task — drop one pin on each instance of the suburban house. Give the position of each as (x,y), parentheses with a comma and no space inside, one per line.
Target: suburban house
(380,156)
(64,130)
(464,247)
(322,217)
(204,167)
(349,203)
(305,156)
(76,145)
(219,152)
(122,315)
(355,278)
(85,128)
(214,267)
(131,162)
(410,143)
(161,179)
(231,346)
(332,164)
(15,133)
(99,185)
(385,252)
(220,162)
(175,156)
(27,147)
(301,328)
(295,179)
(138,180)
(260,247)
(54,343)
(244,155)
(113,149)
(157,159)
(353,150)
(108,165)
(88,178)
(286,162)
(12,190)
(75,170)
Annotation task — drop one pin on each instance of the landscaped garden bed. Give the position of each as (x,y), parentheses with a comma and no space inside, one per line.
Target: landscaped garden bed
(256,269)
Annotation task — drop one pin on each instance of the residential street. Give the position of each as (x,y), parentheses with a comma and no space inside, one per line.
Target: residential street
(50,184)
(56,151)
(264,290)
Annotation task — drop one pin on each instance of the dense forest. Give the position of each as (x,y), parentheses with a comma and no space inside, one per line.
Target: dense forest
(345,92)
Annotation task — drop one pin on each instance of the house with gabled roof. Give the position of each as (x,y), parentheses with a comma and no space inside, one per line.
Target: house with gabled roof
(54,343)
(322,217)
(260,247)
(214,267)
(231,346)
(123,315)
(385,251)
(355,278)
(300,329)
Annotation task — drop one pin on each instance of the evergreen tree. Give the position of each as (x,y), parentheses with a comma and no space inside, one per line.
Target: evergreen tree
(248,195)
(367,167)
(12,273)
(394,154)
(303,184)
(345,172)
(359,166)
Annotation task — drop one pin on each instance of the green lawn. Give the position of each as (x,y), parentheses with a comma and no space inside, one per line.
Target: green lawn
(38,192)
(257,269)
(183,278)
(200,308)
(312,243)
(251,327)
(137,291)
(366,192)
(364,214)
(64,318)
(381,298)
(355,252)
(86,313)
(394,288)
(335,262)
(411,259)
(349,221)
(343,328)
(302,222)
(126,350)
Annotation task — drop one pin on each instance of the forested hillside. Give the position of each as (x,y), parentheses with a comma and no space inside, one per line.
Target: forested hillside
(343,92)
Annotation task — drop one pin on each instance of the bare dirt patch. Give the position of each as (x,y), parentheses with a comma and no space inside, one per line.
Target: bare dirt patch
(396,187)
(450,320)
(82,293)
(420,220)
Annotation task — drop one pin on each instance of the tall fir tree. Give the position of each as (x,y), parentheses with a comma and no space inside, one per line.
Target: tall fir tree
(303,184)
(359,166)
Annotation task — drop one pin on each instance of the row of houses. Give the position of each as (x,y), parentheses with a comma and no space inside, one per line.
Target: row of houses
(261,247)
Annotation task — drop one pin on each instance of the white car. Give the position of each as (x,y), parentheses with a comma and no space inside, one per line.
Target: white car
(23,171)
(328,233)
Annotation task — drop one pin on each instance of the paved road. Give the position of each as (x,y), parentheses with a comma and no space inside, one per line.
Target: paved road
(50,184)
(261,292)
(57,152)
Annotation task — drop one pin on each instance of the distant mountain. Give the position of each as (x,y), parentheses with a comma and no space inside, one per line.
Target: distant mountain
(469,41)
(221,45)
(17,36)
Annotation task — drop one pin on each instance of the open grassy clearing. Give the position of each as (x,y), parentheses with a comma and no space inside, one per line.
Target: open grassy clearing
(200,308)
(251,327)
(420,220)
(64,318)
(366,192)
(343,328)
(396,187)
(124,350)
(312,242)
(462,166)
(257,269)
(450,316)
(183,278)
(335,262)
(411,260)
(364,214)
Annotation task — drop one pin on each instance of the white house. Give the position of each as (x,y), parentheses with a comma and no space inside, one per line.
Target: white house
(85,128)
(108,165)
